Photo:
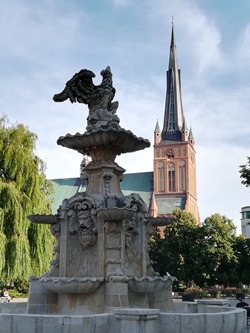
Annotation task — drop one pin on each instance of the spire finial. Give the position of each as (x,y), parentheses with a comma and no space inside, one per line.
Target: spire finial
(172,44)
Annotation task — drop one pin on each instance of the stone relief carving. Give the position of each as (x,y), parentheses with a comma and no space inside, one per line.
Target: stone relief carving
(55,230)
(135,201)
(130,227)
(111,197)
(82,220)
(80,88)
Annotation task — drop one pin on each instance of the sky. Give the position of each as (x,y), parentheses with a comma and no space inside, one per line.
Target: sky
(44,43)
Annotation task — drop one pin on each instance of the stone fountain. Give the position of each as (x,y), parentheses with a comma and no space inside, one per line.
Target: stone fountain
(101,256)
(101,279)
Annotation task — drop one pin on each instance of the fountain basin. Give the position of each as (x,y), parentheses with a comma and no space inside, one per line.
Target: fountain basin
(220,320)
(43,218)
(148,284)
(123,141)
(73,285)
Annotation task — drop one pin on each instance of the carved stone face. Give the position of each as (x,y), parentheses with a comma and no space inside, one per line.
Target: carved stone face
(86,228)
(85,222)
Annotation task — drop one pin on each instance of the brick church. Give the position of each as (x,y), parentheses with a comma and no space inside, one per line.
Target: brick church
(172,183)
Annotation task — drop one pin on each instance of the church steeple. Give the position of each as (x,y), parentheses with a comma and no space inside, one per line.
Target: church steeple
(173,115)
(174,151)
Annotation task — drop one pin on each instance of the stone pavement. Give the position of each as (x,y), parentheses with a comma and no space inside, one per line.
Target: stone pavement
(19,300)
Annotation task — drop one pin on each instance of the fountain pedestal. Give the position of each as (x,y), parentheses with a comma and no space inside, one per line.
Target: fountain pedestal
(101,256)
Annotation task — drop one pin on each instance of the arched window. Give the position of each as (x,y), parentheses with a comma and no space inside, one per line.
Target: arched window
(182,175)
(171,177)
(157,153)
(179,151)
(161,177)
(184,151)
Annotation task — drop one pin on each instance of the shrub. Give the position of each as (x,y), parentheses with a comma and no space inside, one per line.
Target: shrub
(21,286)
(214,293)
(197,292)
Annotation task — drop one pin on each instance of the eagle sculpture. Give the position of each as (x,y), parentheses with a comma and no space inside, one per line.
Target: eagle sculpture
(80,88)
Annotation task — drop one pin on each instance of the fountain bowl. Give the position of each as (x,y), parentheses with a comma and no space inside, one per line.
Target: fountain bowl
(72,285)
(148,284)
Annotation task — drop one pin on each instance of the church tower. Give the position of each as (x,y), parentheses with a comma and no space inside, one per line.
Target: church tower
(174,150)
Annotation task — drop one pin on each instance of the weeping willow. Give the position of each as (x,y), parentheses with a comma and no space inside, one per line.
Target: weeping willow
(25,248)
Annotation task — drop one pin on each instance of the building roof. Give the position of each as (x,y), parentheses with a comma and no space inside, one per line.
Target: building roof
(65,188)
(157,127)
(140,183)
(167,205)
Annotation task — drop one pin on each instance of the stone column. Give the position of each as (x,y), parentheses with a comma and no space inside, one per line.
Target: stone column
(116,290)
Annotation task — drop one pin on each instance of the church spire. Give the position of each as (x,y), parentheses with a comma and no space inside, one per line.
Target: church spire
(173,116)
(157,133)
(157,127)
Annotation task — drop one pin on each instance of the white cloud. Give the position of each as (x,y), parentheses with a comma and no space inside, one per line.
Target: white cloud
(196,33)
(33,32)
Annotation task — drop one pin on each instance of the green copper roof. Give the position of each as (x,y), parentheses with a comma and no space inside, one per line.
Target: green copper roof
(64,189)
(167,205)
(140,183)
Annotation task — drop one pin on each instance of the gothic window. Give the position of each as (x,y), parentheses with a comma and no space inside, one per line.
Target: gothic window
(161,177)
(157,153)
(184,151)
(171,177)
(179,151)
(182,175)
(162,152)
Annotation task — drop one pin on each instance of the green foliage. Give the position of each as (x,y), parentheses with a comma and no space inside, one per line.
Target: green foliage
(203,255)
(241,248)
(218,255)
(178,252)
(245,173)
(215,292)
(25,248)
(197,292)
(18,289)
(231,292)
(21,286)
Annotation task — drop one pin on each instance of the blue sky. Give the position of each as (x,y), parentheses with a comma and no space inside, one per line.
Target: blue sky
(43,43)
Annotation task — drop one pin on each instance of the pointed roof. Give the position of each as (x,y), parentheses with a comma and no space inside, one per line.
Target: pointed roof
(173,116)
(191,136)
(153,207)
(184,126)
(157,127)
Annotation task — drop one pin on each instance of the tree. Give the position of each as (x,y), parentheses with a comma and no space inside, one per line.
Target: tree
(201,255)
(178,252)
(25,248)
(220,259)
(245,173)
(242,252)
